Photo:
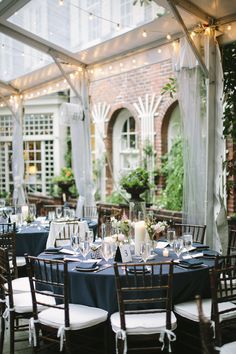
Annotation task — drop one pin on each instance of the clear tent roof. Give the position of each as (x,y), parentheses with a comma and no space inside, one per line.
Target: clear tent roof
(85,32)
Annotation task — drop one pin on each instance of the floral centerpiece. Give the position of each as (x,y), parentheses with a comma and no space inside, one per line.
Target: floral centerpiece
(155,229)
(122,229)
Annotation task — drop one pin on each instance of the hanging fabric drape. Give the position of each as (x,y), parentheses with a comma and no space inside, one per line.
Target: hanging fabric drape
(19,197)
(220,229)
(192,96)
(77,117)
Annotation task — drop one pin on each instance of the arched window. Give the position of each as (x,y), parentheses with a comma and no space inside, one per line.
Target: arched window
(125,144)
(174,127)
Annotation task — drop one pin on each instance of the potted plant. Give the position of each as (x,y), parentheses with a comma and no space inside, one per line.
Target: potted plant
(65,181)
(136,182)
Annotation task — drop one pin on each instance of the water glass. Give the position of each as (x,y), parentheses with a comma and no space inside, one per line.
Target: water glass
(188,241)
(178,246)
(51,215)
(107,250)
(145,250)
(171,236)
(85,242)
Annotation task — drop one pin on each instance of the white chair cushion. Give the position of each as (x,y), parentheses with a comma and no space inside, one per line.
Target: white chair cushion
(143,323)
(189,310)
(20,261)
(23,302)
(21,285)
(80,317)
(229,348)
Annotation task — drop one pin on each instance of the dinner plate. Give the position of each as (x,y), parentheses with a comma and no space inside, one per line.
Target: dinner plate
(87,269)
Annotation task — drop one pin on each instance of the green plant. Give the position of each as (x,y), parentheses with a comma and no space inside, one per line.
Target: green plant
(66,177)
(136,179)
(169,87)
(229,121)
(116,198)
(68,155)
(173,170)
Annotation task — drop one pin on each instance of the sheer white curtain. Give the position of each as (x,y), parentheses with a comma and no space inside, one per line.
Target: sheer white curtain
(77,116)
(16,106)
(192,95)
(220,228)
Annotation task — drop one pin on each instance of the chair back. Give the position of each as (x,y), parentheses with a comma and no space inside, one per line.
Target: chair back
(206,330)
(145,287)
(197,231)
(223,292)
(6,291)
(90,212)
(48,277)
(231,250)
(8,241)
(64,234)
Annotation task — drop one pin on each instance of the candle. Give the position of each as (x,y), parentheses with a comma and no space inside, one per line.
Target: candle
(165,252)
(24,211)
(139,235)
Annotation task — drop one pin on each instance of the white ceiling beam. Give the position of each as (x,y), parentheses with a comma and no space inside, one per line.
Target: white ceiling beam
(9,7)
(193,9)
(8,87)
(188,37)
(38,43)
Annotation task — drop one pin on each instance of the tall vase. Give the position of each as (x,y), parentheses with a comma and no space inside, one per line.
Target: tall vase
(137,210)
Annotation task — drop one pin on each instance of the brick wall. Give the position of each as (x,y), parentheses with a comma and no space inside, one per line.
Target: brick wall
(121,91)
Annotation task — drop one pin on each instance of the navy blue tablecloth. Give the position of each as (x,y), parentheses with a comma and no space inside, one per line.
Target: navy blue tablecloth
(31,239)
(98,288)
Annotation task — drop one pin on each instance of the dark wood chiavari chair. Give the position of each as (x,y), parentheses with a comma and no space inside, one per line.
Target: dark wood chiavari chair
(145,300)
(231,250)
(63,322)
(197,231)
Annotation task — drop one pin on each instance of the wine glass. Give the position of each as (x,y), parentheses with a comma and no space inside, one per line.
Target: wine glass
(74,242)
(85,242)
(187,242)
(145,250)
(59,212)
(107,250)
(178,246)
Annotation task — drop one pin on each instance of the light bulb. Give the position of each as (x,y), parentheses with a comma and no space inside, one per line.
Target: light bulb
(159,50)
(229,27)
(90,16)
(144,34)
(117,26)
(61,2)
(168,36)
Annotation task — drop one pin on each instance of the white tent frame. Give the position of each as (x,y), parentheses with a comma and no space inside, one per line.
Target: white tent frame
(62,56)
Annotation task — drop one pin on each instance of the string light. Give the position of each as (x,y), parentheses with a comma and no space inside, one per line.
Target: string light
(134,61)
(159,50)
(144,34)
(118,26)
(229,27)
(90,16)
(168,37)
(61,2)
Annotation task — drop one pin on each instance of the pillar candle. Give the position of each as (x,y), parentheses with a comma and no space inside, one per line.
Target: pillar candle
(139,235)
(24,211)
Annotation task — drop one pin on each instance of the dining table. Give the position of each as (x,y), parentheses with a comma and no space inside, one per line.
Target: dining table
(32,238)
(96,287)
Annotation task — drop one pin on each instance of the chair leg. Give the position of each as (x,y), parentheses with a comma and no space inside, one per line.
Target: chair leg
(12,332)
(2,334)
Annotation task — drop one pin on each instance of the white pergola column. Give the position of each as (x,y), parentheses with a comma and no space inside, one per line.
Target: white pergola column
(99,115)
(146,109)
